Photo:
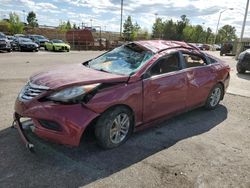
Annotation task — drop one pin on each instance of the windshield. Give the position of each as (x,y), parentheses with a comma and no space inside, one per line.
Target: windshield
(125,60)
(25,40)
(2,35)
(57,41)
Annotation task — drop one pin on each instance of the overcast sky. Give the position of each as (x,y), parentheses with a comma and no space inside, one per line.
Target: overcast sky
(107,12)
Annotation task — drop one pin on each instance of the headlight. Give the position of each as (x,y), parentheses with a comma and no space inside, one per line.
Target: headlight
(73,94)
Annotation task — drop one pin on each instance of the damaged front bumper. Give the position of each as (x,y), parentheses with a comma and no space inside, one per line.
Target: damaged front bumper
(17,124)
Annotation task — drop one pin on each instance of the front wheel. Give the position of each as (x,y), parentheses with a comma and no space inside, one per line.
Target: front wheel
(240,69)
(214,97)
(114,127)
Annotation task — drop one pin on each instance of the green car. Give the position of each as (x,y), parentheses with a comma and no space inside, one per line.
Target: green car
(57,45)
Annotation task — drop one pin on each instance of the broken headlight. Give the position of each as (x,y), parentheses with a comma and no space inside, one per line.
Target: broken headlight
(73,94)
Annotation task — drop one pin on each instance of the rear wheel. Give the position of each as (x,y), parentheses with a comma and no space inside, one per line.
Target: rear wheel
(214,97)
(114,127)
(45,47)
(54,48)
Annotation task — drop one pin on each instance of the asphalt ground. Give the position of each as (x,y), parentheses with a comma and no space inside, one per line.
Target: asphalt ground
(197,149)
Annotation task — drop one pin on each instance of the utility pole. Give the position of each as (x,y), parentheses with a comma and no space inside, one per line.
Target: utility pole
(244,22)
(121,18)
(242,31)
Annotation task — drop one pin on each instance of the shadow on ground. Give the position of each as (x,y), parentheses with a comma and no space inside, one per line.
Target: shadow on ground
(245,76)
(59,166)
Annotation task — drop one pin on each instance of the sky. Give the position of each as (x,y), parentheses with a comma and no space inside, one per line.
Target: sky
(106,13)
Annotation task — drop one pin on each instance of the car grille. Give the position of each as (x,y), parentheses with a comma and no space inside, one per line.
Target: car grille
(29,91)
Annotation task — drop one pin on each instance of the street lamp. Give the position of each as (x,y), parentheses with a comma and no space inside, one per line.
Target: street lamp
(219,23)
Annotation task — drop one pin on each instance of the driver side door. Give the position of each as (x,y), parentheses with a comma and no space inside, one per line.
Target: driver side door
(165,88)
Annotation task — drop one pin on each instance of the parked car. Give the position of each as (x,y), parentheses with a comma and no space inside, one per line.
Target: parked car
(243,63)
(217,47)
(226,49)
(4,43)
(19,35)
(56,45)
(10,38)
(121,91)
(39,39)
(24,44)
(203,47)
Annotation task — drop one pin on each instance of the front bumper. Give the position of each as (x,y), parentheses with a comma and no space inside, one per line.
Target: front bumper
(28,48)
(72,119)
(4,47)
(61,48)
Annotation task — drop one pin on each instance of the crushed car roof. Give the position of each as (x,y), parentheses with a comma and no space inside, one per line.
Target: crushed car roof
(161,45)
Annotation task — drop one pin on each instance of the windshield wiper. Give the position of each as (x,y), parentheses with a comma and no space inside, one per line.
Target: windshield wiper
(102,70)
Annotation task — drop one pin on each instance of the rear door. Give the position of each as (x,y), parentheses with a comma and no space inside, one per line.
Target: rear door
(200,77)
(165,88)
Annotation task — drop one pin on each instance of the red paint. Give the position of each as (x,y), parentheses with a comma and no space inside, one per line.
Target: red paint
(151,99)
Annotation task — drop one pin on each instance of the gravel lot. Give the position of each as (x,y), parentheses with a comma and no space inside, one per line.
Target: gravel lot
(196,149)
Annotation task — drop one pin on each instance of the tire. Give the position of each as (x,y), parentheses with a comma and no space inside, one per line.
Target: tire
(240,69)
(107,130)
(67,50)
(45,48)
(221,54)
(54,49)
(214,97)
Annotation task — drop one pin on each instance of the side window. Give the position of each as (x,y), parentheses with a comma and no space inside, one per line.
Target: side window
(166,64)
(212,60)
(192,60)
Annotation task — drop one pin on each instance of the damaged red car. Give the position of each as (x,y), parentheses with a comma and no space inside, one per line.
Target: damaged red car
(121,91)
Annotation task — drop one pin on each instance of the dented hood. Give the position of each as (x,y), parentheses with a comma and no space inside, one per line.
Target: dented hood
(77,74)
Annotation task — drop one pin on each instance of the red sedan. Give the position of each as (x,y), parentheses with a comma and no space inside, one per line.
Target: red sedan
(121,91)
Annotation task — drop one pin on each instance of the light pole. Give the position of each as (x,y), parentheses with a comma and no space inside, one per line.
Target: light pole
(91,22)
(121,18)
(23,16)
(242,31)
(244,22)
(219,23)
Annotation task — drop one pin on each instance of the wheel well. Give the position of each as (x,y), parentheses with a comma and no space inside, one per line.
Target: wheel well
(91,126)
(223,89)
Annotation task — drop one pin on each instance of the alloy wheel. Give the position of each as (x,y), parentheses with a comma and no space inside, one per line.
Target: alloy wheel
(120,128)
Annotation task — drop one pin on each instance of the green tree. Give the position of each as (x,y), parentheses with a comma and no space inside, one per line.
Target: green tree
(226,33)
(64,26)
(15,26)
(135,30)
(157,30)
(128,28)
(68,25)
(169,30)
(74,26)
(209,33)
(180,26)
(31,19)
